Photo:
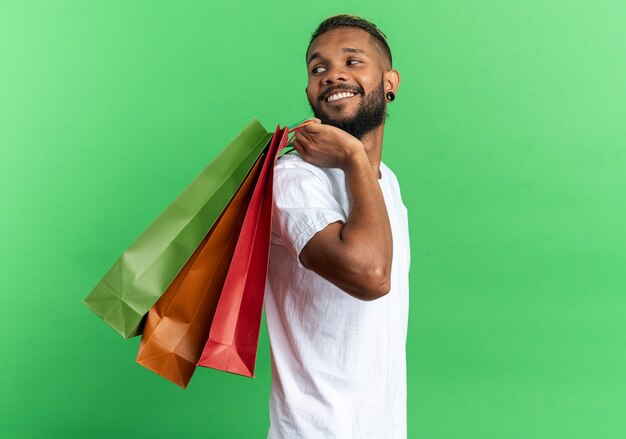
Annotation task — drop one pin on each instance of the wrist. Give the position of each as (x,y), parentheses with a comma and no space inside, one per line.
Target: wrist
(356,158)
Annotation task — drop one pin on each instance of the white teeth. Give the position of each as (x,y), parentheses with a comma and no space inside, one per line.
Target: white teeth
(336,96)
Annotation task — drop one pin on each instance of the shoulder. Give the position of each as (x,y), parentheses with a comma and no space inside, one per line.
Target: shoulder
(293,160)
(389,175)
(391,183)
(291,166)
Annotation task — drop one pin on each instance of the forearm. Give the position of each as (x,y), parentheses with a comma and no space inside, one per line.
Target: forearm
(366,236)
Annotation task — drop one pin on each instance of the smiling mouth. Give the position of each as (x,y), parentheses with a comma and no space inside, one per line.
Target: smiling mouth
(339,96)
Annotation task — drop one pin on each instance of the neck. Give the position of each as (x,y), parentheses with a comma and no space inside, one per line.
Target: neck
(373,143)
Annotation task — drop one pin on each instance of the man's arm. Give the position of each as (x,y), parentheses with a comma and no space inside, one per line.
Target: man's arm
(355,256)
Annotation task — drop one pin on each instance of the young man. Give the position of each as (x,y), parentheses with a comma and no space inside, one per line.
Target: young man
(337,297)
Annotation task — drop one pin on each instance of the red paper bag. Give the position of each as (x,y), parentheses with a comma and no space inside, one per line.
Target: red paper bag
(233,339)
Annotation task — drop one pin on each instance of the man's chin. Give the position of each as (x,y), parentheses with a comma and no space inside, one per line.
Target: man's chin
(337,122)
(336,118)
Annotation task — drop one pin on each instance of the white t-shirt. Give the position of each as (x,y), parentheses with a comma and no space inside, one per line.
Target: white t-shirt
(338,363)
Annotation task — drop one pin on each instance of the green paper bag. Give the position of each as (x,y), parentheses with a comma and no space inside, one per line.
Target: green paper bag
(144,271)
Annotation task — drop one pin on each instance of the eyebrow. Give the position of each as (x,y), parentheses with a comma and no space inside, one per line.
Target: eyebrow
(344,50)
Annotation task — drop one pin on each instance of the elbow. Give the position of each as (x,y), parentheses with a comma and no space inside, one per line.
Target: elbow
(364,278)
(377,284)
(380,289)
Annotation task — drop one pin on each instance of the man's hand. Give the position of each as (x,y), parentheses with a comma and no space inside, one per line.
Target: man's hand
(326,146)
(355,256)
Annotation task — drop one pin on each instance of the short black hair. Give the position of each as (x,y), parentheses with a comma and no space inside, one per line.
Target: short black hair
(353,21)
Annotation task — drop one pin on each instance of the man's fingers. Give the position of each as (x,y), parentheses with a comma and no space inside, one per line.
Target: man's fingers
(304,136)
(300,144)
(296,145)
(313,128)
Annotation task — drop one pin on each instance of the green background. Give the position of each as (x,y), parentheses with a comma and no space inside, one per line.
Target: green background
(508,137)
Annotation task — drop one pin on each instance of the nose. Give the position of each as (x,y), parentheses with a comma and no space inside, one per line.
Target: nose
(335,74)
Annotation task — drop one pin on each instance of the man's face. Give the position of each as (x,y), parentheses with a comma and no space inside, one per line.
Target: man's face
(345,80)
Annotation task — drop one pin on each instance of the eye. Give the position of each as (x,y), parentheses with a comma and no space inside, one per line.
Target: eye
(317,69)
(352,62)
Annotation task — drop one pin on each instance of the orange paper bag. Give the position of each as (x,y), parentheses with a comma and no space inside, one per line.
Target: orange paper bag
(177,326)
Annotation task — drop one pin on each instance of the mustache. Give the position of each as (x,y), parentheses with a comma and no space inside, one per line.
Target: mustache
(340,88)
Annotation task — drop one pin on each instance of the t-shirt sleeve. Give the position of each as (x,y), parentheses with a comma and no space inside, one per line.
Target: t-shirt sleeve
(303,203)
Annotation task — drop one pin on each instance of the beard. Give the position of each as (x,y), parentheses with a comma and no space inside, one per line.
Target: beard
(370,114)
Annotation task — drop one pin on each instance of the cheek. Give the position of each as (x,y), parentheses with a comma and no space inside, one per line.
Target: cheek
(371,81)
(371,77)
(311,93)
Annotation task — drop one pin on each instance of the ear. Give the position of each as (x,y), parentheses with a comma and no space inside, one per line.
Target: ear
(391,80)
